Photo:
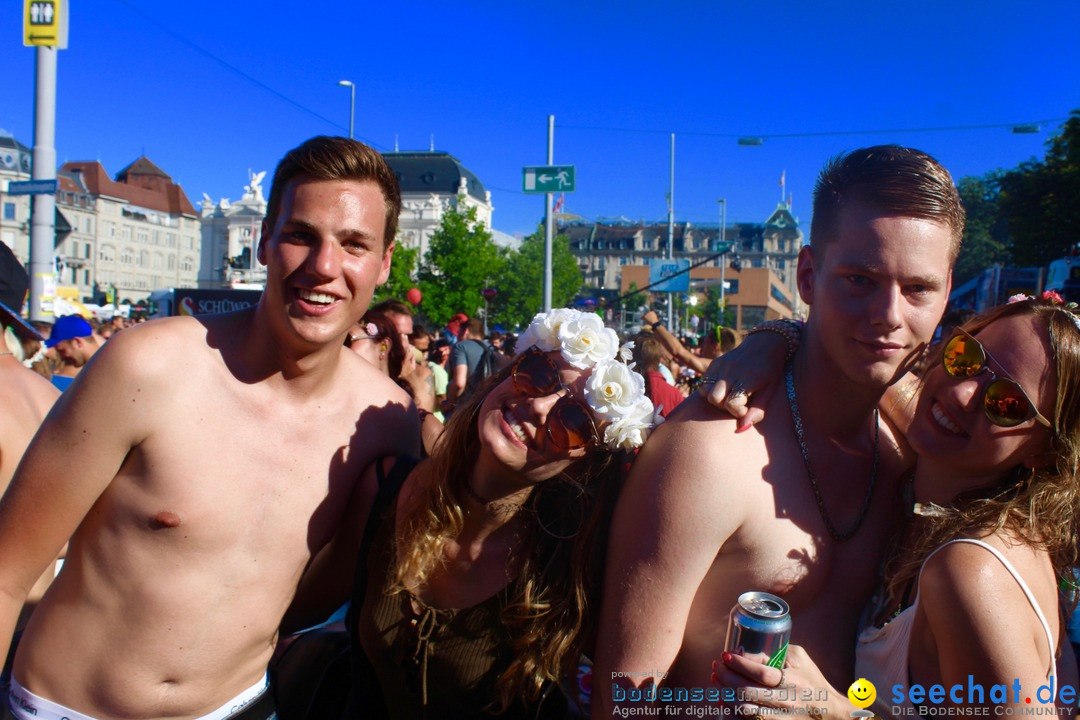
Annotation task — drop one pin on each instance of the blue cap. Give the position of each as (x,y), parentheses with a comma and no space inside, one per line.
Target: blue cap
(68,327)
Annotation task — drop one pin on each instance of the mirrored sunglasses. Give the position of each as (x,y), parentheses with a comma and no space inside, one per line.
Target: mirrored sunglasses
(569,423)
(1004,401)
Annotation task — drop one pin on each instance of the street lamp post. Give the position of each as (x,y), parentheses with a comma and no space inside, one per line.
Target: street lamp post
(723,248)
(352,103)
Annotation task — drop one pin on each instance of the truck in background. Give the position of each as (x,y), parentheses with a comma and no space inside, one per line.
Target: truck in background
(1063,277)
(996,284)
(201,301)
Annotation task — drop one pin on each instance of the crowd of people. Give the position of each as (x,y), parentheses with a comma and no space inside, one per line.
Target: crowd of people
(474,518)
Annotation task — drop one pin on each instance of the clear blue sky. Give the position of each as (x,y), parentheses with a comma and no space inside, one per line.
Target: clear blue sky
(198,86)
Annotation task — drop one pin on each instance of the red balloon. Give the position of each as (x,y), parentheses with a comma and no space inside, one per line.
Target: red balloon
(414,296)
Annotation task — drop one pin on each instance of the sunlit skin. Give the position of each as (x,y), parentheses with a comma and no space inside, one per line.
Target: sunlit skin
(505,462)
(194,512)
(951,432)
(878,291)
(707,513)
(328,239)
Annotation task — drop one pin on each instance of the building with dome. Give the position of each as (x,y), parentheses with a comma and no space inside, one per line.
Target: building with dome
(430,183)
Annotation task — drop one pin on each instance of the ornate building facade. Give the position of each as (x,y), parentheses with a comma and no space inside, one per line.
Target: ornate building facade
(431,182)
(603,249)
(230,238)
(133,234)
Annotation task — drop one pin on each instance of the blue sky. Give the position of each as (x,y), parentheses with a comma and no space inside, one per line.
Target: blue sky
(208,90)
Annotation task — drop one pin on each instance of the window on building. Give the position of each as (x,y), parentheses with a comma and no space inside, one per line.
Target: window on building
(9,211)
(85,277)
(86,251)
(752,315)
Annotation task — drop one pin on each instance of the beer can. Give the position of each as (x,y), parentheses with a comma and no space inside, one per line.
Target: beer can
(760,623)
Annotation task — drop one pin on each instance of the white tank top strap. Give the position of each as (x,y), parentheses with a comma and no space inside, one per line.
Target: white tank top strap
(1019,581)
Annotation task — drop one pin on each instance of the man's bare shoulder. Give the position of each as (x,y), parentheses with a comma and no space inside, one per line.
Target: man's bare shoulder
(18,380)
(695,455)
(697,430)
(369,385)
(156,348)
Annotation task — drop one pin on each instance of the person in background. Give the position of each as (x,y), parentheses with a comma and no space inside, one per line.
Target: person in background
(465,361)
(679,352)
(26,397)
(74,341)
(376,339)
(648,353)
(440,379)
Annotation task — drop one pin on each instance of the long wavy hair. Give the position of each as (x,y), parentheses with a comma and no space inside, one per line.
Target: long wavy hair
(1041,506)
(553,603)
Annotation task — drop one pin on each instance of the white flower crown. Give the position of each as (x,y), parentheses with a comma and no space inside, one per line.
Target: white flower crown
(615,391)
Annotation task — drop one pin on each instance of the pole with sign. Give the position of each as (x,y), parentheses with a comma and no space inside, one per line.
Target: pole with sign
(45,24)
(548,179)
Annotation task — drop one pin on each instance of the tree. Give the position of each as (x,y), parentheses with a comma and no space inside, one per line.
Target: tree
(986,238)
(521,286)
(1041,200)
(461,261)
(401,271)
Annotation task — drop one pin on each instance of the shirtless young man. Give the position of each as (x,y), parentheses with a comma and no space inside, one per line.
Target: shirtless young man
(27,397)
(707,514)
(196,491)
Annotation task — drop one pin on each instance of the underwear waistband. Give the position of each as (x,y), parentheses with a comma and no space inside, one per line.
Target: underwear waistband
(25,705)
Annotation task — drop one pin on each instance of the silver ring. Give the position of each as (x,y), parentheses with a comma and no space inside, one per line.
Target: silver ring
(783,677)
(737,390)
(708,380)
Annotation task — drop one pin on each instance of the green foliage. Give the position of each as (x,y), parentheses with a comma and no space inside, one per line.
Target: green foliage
(1025,217)
(400,280)
(986,239)
(461,261)
(521,286)
(1041,200)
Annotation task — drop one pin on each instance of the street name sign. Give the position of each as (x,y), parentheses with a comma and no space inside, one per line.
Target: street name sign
(45,23)
(548,179)
(32,187)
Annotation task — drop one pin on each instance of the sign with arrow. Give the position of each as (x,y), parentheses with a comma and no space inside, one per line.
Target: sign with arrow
(548,179)
(45,23)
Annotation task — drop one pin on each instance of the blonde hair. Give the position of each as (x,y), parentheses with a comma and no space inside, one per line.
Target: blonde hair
(551,613)
(1042,506)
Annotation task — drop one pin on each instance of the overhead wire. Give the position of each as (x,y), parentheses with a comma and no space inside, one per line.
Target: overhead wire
(232,68)
(828,133)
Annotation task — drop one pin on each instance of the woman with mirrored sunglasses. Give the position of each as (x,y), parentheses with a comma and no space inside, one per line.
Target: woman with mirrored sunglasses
(483,572)
(981,575)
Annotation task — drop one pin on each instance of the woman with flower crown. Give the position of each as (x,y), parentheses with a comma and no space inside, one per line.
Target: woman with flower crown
(972,592)
(483,573)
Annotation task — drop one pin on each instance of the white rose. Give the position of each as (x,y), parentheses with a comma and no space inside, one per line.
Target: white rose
(585,341)
(630,431)
(614,391)
(543,331)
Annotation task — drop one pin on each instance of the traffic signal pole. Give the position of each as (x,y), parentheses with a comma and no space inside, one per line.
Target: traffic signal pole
(549,221)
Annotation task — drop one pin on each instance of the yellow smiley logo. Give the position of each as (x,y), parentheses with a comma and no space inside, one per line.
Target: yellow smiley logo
(862,693)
